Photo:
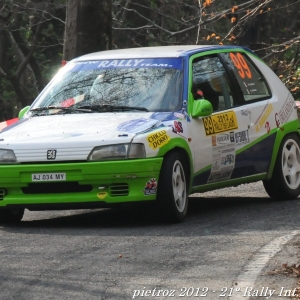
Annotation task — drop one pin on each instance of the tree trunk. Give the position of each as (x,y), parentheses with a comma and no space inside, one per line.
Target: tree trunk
(88,27)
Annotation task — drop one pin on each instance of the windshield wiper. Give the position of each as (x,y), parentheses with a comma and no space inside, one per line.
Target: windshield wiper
(65,109)
(110,108)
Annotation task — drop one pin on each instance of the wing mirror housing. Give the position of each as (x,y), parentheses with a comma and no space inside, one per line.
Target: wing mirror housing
(23,111)
(201,108)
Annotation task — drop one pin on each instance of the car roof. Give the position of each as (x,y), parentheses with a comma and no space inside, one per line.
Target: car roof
(154,52)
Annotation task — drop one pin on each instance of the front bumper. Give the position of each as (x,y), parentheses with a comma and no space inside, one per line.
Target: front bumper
(107,182)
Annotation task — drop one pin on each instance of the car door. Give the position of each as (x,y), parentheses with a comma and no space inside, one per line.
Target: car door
(259,106)
(217,138)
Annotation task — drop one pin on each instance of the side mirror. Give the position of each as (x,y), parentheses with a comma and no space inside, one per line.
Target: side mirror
(22,112)
(201,108)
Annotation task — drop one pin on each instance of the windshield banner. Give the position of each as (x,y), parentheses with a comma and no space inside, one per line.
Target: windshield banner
(165,63)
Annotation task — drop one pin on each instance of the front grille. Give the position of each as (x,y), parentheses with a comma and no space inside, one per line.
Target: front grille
(2,193)
(120,189)
(55,188)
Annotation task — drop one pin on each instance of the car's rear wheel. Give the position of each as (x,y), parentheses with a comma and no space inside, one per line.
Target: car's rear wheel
(14,215)
(285,181)
(172,191)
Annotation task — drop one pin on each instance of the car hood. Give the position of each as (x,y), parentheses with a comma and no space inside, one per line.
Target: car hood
(87,129)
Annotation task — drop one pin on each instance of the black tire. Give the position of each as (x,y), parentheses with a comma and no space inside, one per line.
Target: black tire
(285,181)
(172,193)
(11,215)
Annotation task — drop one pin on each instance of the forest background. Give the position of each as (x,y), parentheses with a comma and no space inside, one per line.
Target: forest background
(37,35)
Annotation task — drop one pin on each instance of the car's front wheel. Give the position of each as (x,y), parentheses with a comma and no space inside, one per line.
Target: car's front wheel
(172,191)
(285,181)
(11,215)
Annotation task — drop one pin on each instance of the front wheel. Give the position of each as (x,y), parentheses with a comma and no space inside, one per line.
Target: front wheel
(172,191)
(285,181)
(13,215)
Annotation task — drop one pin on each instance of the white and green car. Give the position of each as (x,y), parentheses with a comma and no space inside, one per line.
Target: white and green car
(151,124)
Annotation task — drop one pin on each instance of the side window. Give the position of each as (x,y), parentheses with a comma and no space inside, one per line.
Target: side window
(252,83)
(210,81)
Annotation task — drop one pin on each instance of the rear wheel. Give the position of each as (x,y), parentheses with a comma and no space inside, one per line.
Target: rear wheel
(13,215)
(285,181)
(172,191)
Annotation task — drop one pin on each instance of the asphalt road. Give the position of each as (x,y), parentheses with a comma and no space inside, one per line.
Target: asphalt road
(226,248)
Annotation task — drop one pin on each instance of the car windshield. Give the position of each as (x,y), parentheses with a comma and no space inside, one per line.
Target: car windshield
(142,84)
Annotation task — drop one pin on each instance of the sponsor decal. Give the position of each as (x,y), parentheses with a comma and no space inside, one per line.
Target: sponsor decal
(245,113)
(151,187)
(278,123)
(228,150)
(223,161)
(215,166)
(228,159)
(268,127)
(6,125)
(214,177)
(283,115)
(220,123)
(163,116)
(222,139)
(214,140)
(241,137)
(262,119)
(241,65)
(51,154)
(102,195)
(232,137)
(177,127)
(137,125)
(220,155)
(166,63)
(179,115)
(158,139)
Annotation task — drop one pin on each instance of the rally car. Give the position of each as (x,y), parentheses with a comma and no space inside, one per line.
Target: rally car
(151,124)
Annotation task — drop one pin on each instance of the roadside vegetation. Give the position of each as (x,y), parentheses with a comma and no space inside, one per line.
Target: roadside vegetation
(37,35)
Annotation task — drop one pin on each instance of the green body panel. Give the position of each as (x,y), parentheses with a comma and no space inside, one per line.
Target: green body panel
(228,183)
(135,173)
(182,144)
(173,143)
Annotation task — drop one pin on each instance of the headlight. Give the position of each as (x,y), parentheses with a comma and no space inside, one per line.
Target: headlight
(119,151)
(7,156)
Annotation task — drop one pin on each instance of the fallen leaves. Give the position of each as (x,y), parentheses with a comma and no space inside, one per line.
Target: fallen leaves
(291,271)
